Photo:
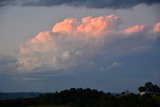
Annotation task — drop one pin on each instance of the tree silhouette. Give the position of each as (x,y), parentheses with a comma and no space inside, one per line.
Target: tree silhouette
(79,97)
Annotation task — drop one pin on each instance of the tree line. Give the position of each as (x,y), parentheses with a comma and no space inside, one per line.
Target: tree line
(79,97)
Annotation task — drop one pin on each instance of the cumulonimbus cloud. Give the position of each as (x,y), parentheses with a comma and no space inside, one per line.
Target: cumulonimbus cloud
(72,41)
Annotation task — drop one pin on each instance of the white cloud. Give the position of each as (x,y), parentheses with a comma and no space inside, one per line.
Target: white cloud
(73,41)
(114,65)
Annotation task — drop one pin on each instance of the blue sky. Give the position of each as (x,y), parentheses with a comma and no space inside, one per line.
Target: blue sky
(115,61)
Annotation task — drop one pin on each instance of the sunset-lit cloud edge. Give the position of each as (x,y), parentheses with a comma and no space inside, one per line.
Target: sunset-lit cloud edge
(72,40)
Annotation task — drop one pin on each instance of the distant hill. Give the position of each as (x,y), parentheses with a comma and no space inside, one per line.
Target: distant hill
(9,96)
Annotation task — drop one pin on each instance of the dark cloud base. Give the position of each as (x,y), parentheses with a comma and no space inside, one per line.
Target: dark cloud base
(113,4)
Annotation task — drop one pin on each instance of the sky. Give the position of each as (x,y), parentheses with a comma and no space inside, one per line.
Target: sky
(48,46)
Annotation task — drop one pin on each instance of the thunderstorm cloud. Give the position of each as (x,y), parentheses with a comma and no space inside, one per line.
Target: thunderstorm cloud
(72,42)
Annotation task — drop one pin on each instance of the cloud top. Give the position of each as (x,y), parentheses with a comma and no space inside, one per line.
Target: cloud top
(88,25)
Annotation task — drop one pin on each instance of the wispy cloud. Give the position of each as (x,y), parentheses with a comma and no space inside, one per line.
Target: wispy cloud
(114,65)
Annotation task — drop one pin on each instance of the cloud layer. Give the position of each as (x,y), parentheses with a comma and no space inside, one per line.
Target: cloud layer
(74,41)
(114,4)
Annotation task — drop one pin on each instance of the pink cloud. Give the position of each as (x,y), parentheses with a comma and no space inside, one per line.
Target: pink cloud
(94,26)
(157,27)
(66,26)
(73,39)
(133,29)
